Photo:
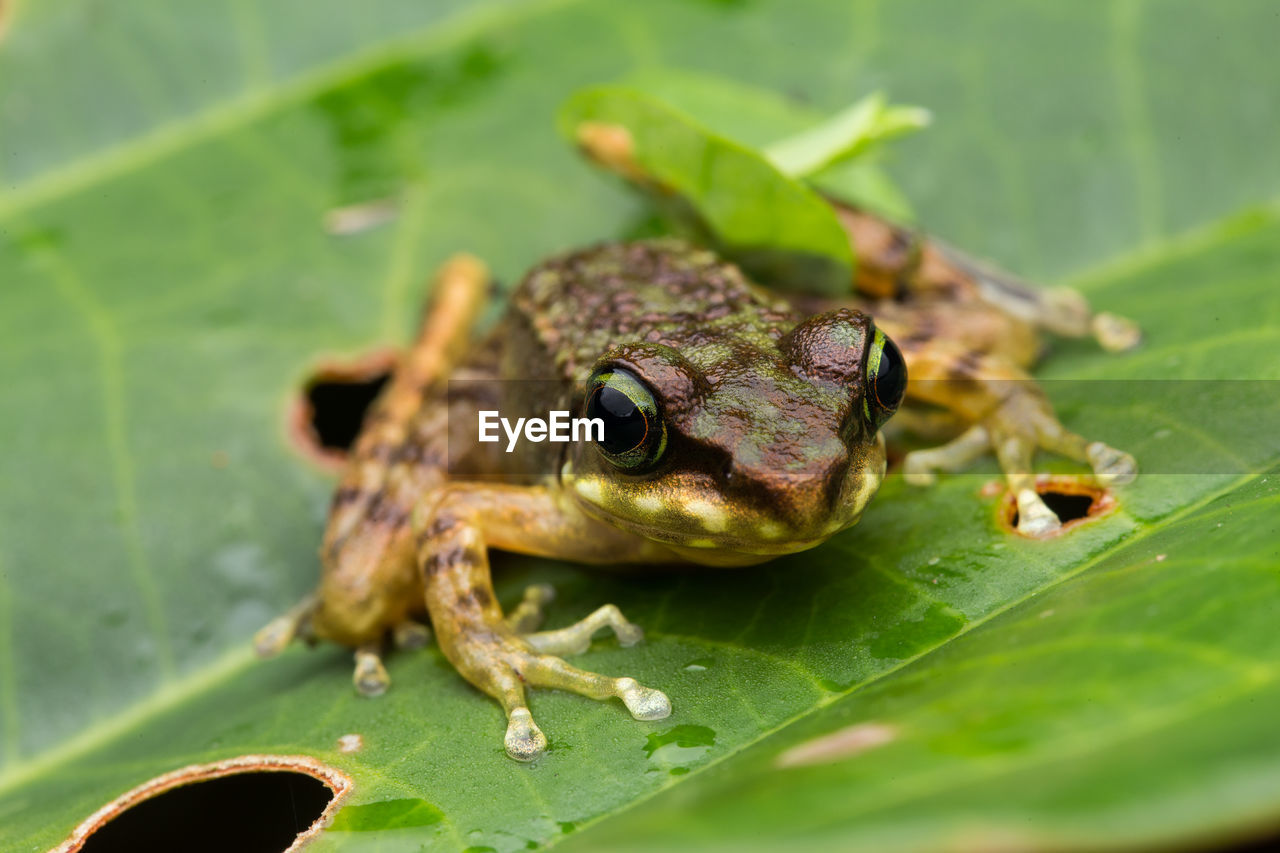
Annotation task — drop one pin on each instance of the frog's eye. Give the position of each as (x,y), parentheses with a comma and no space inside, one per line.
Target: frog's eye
(635,435)
(886,380)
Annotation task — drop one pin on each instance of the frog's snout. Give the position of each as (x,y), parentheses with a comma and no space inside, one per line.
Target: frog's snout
(807,506)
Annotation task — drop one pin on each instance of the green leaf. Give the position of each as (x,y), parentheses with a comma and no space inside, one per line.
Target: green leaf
(776,227)
(167,281)
(759,118)
(404,813)
(844,136)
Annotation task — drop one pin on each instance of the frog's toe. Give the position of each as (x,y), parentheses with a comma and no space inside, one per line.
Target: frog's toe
(528,614)
(1034,516)
(524,740)
(370,676)
(576,638)
(277,634)
(1115,333)
(410,635)
(1112,467)
(644,703)
(918,466)
(274,637)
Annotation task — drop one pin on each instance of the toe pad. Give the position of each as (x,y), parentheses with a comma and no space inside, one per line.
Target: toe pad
(644,703)
(1034,517)
(1111,466)
(370,676)
(524,740)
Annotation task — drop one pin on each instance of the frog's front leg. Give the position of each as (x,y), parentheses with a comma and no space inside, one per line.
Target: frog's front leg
(453,539)
(1010,415)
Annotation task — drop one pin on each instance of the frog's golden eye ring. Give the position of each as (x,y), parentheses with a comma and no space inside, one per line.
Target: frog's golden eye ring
(635,436)
(886,380)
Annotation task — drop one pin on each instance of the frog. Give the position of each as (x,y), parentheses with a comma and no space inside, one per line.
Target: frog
(740,423)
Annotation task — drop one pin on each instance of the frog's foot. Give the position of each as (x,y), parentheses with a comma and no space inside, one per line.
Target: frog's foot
(1022,425)
(370,676)
(1061,310)
(1115,333)
(1064,311)
(453,539)
(576,639)
(1016,435)
(528,614)
(503,666)
(273,637)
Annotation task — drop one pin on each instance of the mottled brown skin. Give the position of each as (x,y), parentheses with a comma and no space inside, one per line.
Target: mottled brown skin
(767,451)
(770,448)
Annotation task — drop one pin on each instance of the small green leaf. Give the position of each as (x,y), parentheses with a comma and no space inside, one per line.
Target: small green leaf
(844,136)
(759,118)
(777,227)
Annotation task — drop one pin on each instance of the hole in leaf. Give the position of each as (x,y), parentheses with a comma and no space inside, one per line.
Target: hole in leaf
(1066,507)
(327,415)
(1074,502)
(255,803)
(247,811)
(338,407)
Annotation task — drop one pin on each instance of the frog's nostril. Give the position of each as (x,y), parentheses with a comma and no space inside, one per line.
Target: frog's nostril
(327,413)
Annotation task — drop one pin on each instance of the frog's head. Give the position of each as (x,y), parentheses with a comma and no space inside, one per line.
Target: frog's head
(740,448)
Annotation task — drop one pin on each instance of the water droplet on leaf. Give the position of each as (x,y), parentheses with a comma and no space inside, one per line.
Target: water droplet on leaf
(677,748)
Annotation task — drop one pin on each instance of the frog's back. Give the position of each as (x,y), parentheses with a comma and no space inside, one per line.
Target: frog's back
(575,307)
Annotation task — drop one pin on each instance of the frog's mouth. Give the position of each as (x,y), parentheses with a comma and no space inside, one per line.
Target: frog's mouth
(702,526)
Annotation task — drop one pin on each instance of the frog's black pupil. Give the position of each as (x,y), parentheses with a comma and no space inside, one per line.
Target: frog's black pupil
(890,381)
(624,423)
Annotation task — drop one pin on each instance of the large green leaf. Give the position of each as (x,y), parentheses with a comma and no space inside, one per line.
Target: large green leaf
(166,280)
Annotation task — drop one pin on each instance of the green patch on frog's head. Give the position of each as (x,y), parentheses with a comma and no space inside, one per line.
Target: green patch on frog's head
(742,446)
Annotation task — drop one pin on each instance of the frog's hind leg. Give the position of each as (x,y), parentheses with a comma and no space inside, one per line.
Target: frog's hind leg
(487,650)
(895,261)
(1061,310)
(370,584)
(381,457)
